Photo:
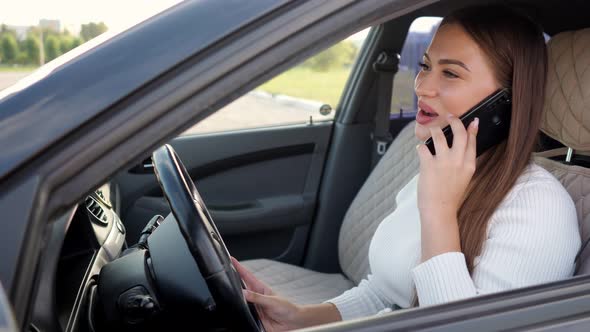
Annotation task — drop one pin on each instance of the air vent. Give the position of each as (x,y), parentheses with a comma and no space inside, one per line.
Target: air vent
(96,210)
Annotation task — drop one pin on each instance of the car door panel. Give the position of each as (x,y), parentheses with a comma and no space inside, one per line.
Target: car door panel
(260,187)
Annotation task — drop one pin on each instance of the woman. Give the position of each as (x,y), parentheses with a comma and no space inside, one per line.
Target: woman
(465,225)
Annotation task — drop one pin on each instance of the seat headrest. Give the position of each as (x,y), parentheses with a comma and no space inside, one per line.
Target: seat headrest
(566,114)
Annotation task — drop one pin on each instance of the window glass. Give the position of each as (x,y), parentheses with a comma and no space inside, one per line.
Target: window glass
(293,97)
(33,32)
(403,102)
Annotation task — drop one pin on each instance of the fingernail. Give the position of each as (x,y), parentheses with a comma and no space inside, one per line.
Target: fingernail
(417,146)
(475,122)
(450,115)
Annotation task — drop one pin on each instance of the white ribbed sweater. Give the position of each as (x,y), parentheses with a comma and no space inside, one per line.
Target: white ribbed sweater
(532,238)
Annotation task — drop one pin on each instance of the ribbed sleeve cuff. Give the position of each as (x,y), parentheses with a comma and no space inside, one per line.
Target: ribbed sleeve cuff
(348,305)
(443,278)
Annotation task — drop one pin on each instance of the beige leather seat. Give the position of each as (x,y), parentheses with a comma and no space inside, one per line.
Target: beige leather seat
(566,119)
(374,201)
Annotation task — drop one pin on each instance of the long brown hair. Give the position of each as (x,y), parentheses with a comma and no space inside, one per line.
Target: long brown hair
(515,48)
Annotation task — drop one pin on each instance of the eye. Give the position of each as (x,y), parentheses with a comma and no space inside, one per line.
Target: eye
(423,66)
(449,74)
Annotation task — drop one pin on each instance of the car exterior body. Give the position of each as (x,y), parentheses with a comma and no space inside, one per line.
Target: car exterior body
(98,111)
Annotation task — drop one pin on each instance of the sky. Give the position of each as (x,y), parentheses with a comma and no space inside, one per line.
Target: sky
(116,14)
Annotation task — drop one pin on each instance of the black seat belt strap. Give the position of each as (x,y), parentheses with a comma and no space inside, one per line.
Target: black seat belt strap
(386,66)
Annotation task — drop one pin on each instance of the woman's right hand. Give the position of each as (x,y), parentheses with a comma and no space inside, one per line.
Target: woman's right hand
(276,312)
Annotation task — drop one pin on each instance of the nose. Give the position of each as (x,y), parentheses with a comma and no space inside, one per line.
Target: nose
(424,85)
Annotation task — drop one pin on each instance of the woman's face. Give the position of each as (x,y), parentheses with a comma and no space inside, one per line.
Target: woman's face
(455,76)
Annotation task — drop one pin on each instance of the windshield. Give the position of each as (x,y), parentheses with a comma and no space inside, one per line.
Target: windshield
(34,33)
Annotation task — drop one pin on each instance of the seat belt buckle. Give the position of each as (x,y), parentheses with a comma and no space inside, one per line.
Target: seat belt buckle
(382,143)
(381,147)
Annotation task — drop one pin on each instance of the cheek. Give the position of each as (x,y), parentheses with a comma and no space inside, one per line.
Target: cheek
(455,100)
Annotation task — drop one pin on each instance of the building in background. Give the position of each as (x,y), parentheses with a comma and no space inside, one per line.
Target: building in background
(54,25)
(21,31)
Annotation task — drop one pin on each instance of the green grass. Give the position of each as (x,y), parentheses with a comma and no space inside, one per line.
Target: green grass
(325,87)
(11,68)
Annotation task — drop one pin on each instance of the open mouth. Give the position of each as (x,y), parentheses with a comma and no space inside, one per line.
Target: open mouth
(426,110)
(432,115)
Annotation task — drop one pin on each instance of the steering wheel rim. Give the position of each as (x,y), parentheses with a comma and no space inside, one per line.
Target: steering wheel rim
(203,239)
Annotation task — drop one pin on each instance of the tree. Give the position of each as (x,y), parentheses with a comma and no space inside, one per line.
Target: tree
(68,42)
(9,48)
(4,30)
(31,47)
(52,48)
(76,42)
(54,43)
(22,58)
(339,55)
(65,43)
(91,30)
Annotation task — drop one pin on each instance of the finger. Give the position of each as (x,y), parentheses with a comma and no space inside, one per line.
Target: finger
(471,149)
(242,271)
(250,279)
(264,301)
(459,134)
(237,264)
(423,153)
(440,141)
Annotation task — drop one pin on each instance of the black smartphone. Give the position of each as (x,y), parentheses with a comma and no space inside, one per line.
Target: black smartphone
(494,113)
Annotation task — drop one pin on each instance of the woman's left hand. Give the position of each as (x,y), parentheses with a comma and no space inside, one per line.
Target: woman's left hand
(443,181)
(444,177)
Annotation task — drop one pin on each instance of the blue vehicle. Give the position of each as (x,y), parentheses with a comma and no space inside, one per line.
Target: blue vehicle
(404,103)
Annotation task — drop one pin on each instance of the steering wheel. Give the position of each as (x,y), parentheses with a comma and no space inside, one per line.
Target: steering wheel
(203,239)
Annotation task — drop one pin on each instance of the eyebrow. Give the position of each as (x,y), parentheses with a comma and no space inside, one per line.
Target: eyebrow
(449,62)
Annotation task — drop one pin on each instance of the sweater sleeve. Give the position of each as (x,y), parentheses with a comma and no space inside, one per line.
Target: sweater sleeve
(532,238)
(366,299)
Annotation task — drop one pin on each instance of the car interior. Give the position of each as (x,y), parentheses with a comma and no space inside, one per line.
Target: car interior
(296,204)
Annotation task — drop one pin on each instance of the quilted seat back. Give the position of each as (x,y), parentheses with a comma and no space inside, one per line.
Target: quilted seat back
(566,118)
(374,201)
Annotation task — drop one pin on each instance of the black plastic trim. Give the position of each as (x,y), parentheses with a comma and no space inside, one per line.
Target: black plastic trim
(250,158)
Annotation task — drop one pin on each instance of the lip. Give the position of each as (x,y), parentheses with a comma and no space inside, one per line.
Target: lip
(423,106)
(422,118)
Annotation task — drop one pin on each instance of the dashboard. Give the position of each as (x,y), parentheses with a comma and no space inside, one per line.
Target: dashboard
(90,279)
(80,243)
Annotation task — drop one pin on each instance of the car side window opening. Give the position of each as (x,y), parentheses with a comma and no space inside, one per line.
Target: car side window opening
(403,98)
(308,91)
